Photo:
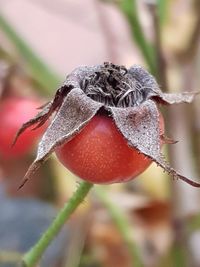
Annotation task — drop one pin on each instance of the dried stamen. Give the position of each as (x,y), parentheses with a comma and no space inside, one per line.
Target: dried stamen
(113,85)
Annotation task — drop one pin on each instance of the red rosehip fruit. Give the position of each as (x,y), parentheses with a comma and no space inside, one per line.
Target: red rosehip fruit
(13,113)
(100,154)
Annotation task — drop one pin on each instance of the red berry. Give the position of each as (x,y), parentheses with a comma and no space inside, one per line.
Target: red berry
(13,113)
(100,154)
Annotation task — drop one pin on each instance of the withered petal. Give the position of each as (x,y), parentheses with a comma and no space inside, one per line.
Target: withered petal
(140,127)
(76,111)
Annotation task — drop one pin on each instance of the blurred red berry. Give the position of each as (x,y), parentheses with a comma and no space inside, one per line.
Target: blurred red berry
(13,113)
(100,154)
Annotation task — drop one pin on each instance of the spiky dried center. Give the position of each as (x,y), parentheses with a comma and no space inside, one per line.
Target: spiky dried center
(112,85)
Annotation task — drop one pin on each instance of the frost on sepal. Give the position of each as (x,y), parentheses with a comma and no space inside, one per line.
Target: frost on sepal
(144,77)
(73,80)
(140,127)
(76,111)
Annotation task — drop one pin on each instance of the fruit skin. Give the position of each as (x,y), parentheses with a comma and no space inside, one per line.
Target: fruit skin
(14,111)
(100,154)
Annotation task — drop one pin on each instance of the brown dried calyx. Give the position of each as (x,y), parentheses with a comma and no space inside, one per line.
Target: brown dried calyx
(128,95)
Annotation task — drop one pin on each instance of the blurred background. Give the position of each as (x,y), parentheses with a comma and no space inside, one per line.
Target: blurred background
(152,221)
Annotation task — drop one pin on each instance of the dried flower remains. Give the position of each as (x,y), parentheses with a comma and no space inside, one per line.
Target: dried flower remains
(130,96)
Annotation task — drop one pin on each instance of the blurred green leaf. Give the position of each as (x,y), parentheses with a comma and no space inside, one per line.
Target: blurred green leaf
(43,75)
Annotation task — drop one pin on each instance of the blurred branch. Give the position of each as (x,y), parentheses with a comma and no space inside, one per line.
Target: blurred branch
(45,77)
(189,52)
(79,232)
(160,59)
(130,10)
(122,224)
(181,156)
(183,253)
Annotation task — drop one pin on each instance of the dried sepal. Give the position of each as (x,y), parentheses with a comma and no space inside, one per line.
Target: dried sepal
(47,110)
(36,120)
(140,126)
(145,78)
(152,90)
(77,77)
(76,111)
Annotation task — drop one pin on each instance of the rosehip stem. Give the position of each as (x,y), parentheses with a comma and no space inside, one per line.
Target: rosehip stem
(32,257)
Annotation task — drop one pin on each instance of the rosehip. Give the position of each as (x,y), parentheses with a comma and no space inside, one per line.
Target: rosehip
(91,145)
(13,113)
(100,154)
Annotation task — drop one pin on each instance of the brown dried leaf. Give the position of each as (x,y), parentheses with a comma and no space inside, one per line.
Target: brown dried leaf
(76,111)
(140,126)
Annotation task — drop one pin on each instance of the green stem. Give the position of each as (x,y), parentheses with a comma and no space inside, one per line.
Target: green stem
(32,257)
(122,224)
(130,10)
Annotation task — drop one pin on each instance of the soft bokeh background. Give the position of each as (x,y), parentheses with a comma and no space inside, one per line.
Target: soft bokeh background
(40,42)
